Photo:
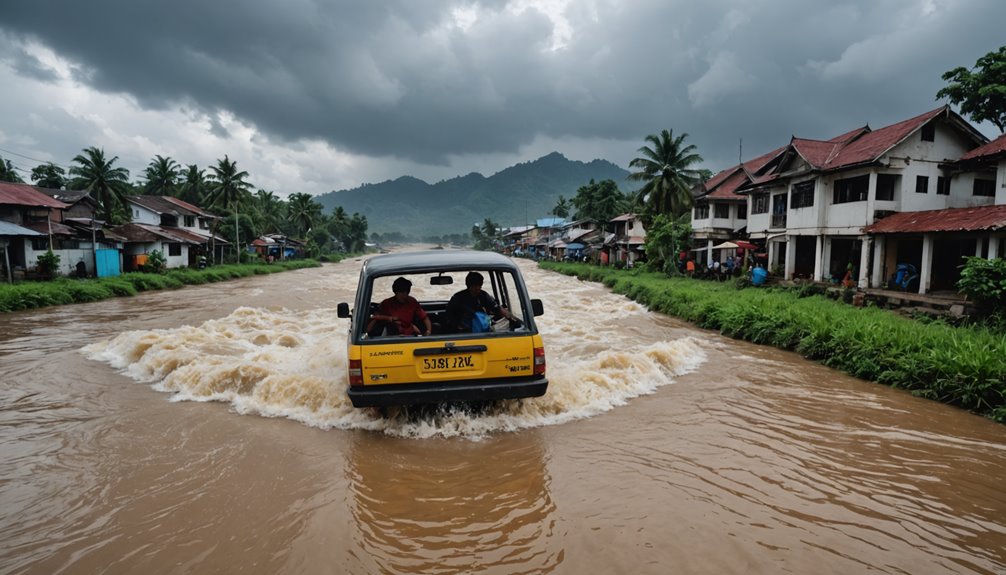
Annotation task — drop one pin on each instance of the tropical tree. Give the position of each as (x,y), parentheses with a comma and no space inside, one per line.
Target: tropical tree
(193,185)
(227,189)
(561,209)
(599,201)
(666,171)
(485,235)
(49,176)
(303,212)
(8,173)
(106,183)
(981,91)
(356,233)
(270,210)
(162,176)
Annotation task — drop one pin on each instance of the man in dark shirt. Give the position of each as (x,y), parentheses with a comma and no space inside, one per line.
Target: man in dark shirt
(464,304)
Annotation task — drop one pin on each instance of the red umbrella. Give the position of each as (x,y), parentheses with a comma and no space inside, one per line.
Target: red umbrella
(745,245)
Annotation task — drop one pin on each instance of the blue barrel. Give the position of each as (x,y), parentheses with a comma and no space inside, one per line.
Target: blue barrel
(758,276)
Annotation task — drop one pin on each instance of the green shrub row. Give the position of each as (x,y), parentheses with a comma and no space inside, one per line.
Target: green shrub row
(962,366)
(30,295)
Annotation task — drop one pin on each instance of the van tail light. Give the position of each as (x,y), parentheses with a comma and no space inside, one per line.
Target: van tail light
(539,361)
(355,372)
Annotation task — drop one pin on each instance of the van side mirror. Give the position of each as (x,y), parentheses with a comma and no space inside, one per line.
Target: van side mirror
(536,308)
(342,310)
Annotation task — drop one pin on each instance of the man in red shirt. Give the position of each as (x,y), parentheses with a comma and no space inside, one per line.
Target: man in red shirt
(400,311)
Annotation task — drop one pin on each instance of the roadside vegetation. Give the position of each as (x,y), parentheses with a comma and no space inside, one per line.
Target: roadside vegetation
(963,366)
(29,295)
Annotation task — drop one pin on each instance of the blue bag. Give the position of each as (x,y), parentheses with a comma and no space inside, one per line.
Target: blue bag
(481,322)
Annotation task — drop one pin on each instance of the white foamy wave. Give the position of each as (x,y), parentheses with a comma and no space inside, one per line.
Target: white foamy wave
(601,349)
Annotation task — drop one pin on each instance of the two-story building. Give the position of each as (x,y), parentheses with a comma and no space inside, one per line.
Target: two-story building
(719,213)
(181,231)
(625,241)
(814,201)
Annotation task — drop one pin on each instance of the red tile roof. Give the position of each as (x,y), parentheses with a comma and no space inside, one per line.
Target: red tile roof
(993,148)
(25,195)
(872,145)
(948,220)
(183,204)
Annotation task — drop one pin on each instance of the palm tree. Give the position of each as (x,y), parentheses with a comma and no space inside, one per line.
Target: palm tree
(667,171)
(303,212)
(8,172)
(192,185)
(227,187)
(561,209)
(270,210)
(162,176)
(106,184)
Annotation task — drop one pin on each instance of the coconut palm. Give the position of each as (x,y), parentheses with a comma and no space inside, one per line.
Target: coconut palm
(106,183)
(227,189)
(270,211)
(8,173)
(162,176)
(193,184)
(667,172)
(303,212)
(561,209)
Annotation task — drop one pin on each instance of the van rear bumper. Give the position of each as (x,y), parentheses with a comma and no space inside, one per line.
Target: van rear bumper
(466,390)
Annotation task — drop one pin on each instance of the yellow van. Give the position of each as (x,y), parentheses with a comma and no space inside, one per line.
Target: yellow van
(451,354)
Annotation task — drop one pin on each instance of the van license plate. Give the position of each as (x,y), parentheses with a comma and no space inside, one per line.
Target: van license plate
(449,363)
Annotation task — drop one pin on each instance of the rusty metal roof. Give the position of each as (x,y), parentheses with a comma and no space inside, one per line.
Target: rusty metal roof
(948,220)
(993,148)
(25,195)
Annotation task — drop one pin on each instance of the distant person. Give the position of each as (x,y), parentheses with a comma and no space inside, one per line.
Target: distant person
(465,306)
(400,312)
(690,267)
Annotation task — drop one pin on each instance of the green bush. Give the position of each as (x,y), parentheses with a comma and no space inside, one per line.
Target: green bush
(984,282)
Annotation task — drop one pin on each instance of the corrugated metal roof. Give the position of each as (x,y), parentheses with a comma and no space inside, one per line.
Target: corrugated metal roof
(12,229)
(993,148)
(25,195)
(949,220)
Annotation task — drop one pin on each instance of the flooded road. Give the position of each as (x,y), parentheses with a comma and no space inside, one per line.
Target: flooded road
(206,430)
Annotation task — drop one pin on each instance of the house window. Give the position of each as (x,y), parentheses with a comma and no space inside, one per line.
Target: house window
(929,132)
(721,211)
(942,186)
(174,249)
(759,204)
(802,195)
(921,184)
(886,184)
(985,188)
(40,243)
(851,190)
(742,211)
(190,221)
(701,211)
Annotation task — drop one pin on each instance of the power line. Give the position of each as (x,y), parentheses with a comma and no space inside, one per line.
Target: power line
(33,159)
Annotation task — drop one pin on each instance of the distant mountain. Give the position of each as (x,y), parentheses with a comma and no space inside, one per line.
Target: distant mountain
(511,197)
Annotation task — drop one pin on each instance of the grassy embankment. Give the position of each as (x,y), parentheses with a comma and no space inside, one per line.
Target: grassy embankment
(962,366)
(29,295)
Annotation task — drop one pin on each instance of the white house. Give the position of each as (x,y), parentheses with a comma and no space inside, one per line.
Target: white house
(181,231)
(813,202)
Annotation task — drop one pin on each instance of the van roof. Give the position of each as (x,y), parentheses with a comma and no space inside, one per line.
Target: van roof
(435,260)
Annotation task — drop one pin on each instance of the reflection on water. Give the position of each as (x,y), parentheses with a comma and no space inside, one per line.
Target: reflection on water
(452,507)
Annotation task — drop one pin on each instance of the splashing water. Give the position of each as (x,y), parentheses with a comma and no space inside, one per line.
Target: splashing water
(281,363)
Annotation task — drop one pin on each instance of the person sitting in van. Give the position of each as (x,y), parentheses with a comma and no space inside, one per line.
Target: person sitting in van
(472,310)
(399,313)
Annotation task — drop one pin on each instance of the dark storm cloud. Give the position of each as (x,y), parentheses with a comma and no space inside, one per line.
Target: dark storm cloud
(394,78)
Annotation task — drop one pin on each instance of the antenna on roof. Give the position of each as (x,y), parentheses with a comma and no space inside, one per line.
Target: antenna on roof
(740,151)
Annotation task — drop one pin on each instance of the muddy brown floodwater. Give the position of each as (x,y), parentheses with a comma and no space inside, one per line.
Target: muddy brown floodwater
(206,430)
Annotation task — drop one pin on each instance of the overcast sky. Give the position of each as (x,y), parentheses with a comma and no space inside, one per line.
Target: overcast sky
(319,95)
